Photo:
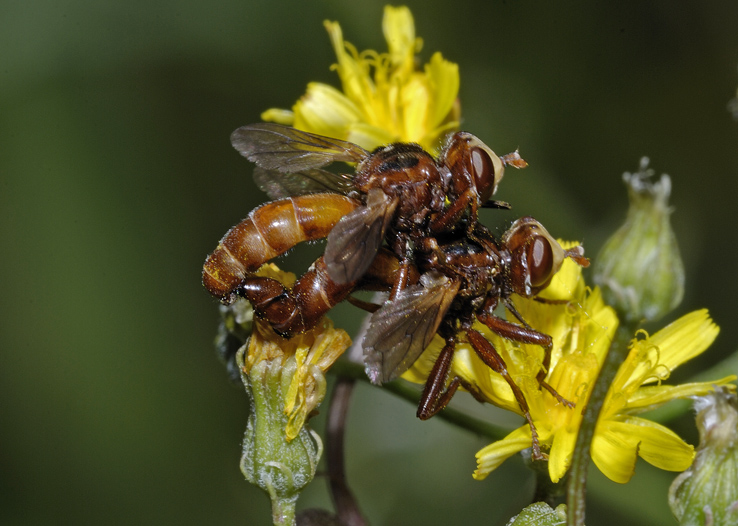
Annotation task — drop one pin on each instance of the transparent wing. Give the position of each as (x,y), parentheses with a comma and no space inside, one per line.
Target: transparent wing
(278,185)
(354,241)
(401,329)
(287,150)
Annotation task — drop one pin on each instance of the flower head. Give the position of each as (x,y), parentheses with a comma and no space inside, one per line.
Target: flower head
(582,329)
(707,492)
(285,382)
(639,268)
(384,99)
(303,359)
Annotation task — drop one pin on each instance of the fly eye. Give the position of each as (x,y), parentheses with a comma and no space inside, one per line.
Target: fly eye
(482,164)
(535,256)
(540,258)
(485,176)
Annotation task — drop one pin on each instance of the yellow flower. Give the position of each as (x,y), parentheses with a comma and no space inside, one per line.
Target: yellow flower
(384,99)
(582,330)
(303,359)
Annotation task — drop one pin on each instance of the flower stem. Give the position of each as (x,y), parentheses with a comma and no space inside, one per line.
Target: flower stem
(347,508)
(551,493)
(577,486)
(283,510)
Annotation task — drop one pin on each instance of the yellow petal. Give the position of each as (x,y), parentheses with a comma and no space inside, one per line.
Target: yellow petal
(639,365)
(433,140)
(559,458)
(354,73)
(419,371)
(369,136)
(585,325)
(326,111)
(490,457)
(617,444)
(659,445)
(286,117)
(651,397)
(270,270)
(652,359)
(614,454)
(600,326)
(468,366)
(685,338)
(573,378)
(399,31)
(443,79)
(415,101)
(316,351)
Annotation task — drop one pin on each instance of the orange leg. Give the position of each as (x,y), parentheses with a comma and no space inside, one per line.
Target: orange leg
(492,358)
(521,334)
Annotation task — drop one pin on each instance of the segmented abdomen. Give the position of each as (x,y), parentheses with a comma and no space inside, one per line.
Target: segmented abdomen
(269,231)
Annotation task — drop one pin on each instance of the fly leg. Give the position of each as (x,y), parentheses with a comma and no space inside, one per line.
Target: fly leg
(387,273)
(367,306)
(405,273)
(401,278)
(448,219)
(526,334)
(436,395)
(494,361)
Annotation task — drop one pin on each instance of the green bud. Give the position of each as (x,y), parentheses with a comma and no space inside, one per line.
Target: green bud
(639,268)
(707,493)
(281,467)
(540,514)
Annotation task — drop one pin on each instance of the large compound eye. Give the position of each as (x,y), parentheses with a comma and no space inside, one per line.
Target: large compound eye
(482,165)
(535,256)
(487,168)
(540,261)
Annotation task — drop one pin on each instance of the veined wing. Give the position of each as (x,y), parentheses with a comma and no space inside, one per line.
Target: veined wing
(285,149)
(354,241)
(278,185)
(401,329)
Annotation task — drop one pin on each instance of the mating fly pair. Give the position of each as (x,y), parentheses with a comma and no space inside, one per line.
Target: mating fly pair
(404,222)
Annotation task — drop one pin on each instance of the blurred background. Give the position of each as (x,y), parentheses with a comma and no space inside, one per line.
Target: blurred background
(117,179)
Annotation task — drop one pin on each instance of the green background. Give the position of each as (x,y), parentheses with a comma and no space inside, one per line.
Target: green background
(117,178)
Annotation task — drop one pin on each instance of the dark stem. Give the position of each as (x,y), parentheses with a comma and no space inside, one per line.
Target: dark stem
(552,493)
(577,486)
(347,508)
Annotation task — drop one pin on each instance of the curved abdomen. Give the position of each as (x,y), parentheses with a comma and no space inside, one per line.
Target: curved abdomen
(269,231)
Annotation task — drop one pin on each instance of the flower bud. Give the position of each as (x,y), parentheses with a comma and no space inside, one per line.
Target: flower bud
(639,268)
(285,381)
(707,493)
(279,466)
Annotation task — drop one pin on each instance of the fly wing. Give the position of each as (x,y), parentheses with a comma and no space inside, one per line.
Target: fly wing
(354,241)
(278,185)
(287,150)
(401,329)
